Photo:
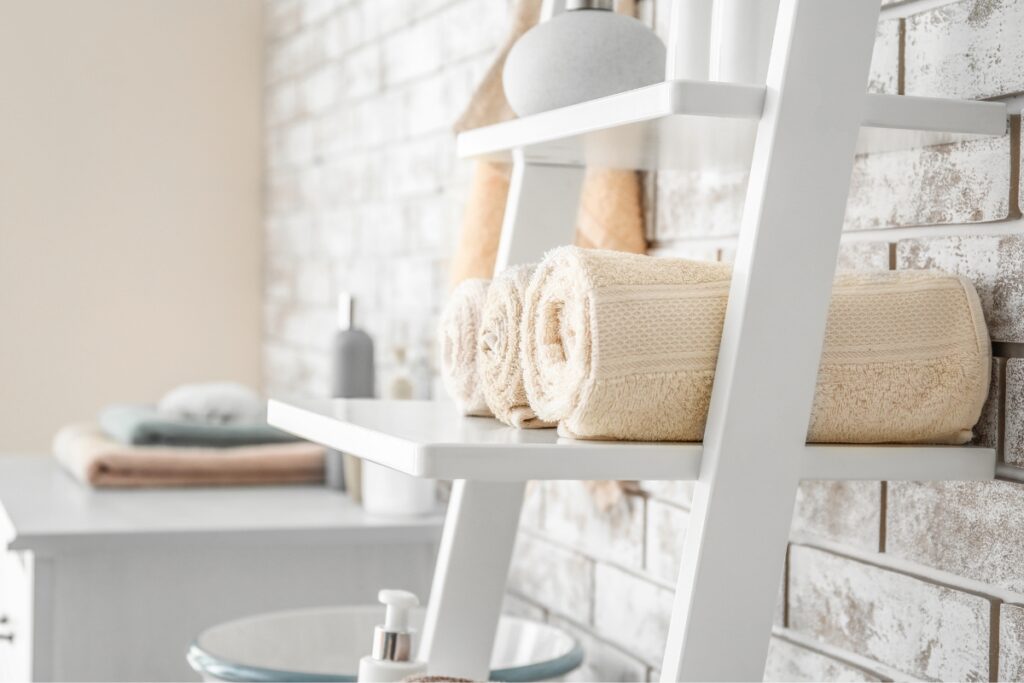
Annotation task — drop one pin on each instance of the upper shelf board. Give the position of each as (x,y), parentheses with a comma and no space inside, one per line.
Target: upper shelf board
(701,125)
(430,439)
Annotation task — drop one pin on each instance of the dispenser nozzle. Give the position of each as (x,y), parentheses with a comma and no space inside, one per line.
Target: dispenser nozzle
(399,602)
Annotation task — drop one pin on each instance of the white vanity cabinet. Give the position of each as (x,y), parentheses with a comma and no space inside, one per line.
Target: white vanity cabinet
(113,585)
(15,611)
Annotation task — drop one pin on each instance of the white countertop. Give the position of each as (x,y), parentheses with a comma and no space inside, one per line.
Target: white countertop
(42,508)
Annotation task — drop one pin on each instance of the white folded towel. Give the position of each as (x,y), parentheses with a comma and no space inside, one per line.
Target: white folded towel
(217,403)
(460,324)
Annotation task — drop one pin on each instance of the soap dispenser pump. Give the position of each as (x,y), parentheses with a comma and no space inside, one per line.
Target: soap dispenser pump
(391,657)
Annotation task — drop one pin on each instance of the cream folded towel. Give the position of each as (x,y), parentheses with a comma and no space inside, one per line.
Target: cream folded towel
(460,324)
(620,346)
(498,357)
(97,460)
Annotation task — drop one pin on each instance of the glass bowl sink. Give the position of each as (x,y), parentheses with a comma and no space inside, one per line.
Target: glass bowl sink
(325,644)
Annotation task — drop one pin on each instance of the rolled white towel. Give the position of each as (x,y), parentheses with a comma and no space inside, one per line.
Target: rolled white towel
(219,403)
(460,324)
(499,362)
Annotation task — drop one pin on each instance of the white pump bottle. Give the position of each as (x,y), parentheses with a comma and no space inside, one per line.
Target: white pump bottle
(392,643)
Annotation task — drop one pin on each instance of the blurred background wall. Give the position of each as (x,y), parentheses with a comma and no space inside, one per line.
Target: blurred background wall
(130,204)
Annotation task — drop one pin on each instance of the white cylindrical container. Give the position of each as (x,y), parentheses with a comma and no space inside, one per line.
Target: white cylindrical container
(741,40)
(689,40)
(387,492)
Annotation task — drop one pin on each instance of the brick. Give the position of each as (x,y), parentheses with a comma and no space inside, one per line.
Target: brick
(413,52)
(471,28)
(418,167)
(532,514)
(361,72)
(297,146)
(885,59)
(281,17)
(969,49)
(676,492)
(572,518)
(914,626)
(791,662)
(846,512)
(515,606)
(666,534)
(434,102)
(632,611)
(559,579)
(316,10)
(1011,643)
(863,256)
(313,285)
(995,263)
(309,327)
(971,529)
(1013,449)
(962,182)
(602,661)
(698,204)
(281,103)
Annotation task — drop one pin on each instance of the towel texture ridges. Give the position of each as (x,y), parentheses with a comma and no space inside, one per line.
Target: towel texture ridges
(460,325)
(498,352)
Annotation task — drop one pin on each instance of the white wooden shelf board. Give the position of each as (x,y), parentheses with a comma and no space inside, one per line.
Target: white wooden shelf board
(704,125)
(430,439)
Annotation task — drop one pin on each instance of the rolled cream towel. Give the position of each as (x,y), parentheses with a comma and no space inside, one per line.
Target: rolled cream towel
(621,346)
(460,325)
(498,356)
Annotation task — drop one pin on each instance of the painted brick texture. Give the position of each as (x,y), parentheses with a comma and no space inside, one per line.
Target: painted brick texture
(884,581)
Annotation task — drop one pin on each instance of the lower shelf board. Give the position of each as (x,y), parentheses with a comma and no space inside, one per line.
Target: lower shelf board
(431,439)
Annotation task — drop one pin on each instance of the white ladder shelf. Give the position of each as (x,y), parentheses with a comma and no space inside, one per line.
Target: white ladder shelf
(798,135)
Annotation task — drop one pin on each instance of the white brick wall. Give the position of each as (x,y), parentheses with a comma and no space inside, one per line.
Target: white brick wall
(884,580)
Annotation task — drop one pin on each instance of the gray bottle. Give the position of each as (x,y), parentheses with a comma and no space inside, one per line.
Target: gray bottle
(351,376)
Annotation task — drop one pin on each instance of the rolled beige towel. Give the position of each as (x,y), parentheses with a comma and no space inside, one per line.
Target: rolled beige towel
(498,356)
(621,346)
(460,324)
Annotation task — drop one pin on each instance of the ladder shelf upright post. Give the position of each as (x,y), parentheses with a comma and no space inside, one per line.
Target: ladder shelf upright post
(480,526)
(771,341)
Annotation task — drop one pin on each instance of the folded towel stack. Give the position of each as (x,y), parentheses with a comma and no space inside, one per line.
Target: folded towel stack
(199,435)
(618,346)
(460,324)
(621,346)
(95,458)
(144,425)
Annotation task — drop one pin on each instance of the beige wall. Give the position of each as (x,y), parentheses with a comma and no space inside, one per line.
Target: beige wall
(130,204)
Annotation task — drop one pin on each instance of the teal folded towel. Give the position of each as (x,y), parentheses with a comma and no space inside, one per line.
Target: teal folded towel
(141,425)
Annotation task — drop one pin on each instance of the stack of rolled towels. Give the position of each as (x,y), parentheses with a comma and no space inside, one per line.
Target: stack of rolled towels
(197,435)
(610,345)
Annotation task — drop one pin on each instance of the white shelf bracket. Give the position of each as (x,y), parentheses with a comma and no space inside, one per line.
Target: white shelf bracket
(540,213)
(469,578)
